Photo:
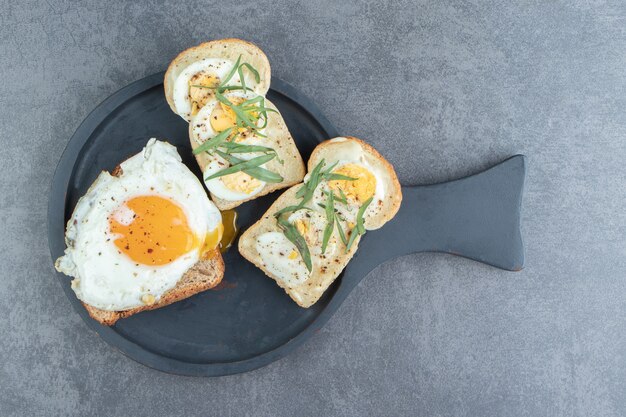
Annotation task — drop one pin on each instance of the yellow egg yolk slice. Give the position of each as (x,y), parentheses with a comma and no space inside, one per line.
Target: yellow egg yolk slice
(198,93)
(153,230)
(241,182)
(360,189)
(223,116)
(304,228)
(221,119)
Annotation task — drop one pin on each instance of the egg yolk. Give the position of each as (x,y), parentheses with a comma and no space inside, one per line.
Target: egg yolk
(240,182)
(223,116)
(153,230)
(200,95)
(222,119)
(360,189)
(229,220)
(304,228)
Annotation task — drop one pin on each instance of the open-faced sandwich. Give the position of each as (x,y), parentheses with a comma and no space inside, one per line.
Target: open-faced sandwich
(239,137)
(312,230)
(142,237)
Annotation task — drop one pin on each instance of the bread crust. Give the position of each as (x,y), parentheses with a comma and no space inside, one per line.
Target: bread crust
(204,275)
(229,48)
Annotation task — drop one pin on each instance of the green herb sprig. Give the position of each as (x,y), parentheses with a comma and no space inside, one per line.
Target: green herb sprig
(251,167)
(214,142)
(359,228)
(294,236)
(239,148)
(248,113)
(305,193)
(330,220)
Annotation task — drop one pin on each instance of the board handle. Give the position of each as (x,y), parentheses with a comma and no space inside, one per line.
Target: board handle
(477,217)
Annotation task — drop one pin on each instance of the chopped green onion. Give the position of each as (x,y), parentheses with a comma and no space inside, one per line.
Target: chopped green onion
(225,88)
(359,215)
(290,209)
(232,148)
(306,192)
(264,175)
(253,70)
(353,234)
(359,229)
(343,196)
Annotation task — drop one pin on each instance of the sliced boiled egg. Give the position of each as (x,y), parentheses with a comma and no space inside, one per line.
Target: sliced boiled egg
(194,87)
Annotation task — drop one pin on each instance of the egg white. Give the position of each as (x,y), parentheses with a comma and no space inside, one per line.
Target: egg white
(274,249)
(108,279)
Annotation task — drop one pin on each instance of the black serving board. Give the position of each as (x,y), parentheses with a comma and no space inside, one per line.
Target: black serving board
(248,321)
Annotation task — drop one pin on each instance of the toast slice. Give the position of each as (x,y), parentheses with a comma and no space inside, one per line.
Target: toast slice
(305,288)
(306,293)
(204,275)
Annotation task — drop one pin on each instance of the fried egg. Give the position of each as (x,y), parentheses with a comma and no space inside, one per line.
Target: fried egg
(133,236)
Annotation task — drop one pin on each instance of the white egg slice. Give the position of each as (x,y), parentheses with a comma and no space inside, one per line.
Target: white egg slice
(112,277)
(232,187)
(202,128)
(281,258)
(215,67)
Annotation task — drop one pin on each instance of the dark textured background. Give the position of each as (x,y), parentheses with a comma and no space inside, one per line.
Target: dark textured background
(442,90)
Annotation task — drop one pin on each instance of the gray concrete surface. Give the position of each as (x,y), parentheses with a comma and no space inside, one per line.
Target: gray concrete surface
(442,89)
